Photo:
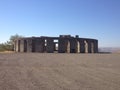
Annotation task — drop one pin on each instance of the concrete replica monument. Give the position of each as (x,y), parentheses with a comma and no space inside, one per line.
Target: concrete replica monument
(61,44)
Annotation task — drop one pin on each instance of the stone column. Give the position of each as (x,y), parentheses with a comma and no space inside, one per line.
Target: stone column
(62,45)
(29,45)
(82,46)
(95,46)
(67,44)
(89,46)
(78,47)
(92,47)
(35,45)
(21,45)
(50,45)
(25,46)
(39,45)
(73,45)
(17,45)
(86,46)
(42,45)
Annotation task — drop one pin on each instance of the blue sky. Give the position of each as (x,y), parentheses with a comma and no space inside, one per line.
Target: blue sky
(99,19)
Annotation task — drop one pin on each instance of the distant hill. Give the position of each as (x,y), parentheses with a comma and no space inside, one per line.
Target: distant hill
(110,49)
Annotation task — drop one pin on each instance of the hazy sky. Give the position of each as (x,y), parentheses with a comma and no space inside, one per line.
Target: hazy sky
(98,19)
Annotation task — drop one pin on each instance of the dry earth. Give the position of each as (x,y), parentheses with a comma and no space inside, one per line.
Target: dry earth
(35,71)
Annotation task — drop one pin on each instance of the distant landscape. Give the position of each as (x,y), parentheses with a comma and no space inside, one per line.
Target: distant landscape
(109,49)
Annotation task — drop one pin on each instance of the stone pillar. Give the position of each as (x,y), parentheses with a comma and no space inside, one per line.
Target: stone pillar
(89,46)
(67,44)
(33,45)
(82,46)
(95,46)
(25,46)
(36,45)
(73,46)
(21,45)
(17,46)
(63,45)
(50,45)
(29,45)
(42,45)
(78,47)
(92,47)
(39,45)
(86,46)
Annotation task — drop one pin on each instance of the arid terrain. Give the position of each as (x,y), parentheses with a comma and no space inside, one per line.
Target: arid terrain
(35,71)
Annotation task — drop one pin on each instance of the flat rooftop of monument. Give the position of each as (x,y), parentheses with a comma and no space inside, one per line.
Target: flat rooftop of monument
(60,36)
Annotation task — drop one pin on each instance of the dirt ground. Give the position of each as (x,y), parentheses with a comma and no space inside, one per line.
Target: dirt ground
(35,71)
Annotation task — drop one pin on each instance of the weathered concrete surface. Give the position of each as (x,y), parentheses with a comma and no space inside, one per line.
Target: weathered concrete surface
(82,46)
(64,44)
(29,45)
(50,46)
(73,46)
(35,71)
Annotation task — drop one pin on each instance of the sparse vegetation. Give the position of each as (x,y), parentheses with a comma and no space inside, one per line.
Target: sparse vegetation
(6,47)
(9,45)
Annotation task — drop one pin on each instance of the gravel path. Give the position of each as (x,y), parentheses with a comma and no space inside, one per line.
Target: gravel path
(35,71)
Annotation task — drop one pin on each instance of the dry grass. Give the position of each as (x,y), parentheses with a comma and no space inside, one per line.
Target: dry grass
(35,71)
(7,52)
